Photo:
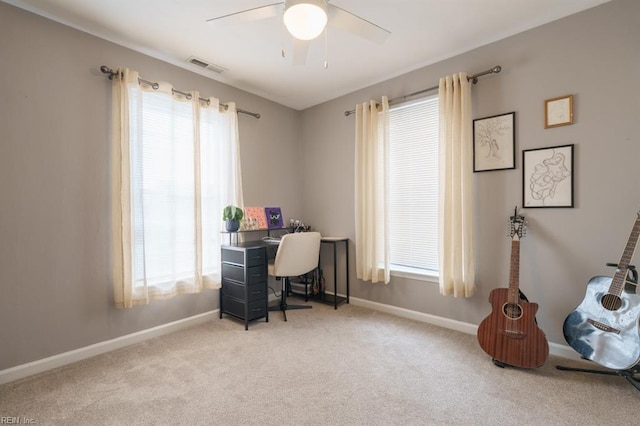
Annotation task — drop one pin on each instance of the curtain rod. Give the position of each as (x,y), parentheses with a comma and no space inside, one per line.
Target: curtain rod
(106,70)
(473,78)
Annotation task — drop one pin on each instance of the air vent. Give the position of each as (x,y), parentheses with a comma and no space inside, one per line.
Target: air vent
(204,64)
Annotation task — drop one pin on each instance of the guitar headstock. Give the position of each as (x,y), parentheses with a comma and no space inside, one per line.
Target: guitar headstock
(517,225)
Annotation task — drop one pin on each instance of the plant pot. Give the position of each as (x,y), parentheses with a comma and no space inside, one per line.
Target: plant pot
(232,225)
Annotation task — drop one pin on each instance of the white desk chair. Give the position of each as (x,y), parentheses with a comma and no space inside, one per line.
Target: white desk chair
(297,254)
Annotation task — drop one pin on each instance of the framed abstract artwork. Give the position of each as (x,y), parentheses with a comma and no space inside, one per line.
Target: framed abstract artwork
(494,140)
(547,177)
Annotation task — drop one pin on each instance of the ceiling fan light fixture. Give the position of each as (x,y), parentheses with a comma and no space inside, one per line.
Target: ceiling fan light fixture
(305,19)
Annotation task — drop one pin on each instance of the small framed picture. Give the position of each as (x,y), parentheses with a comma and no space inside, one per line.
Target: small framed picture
(256,217)
(274,217)
(558,111)
(494,140)
(547,177)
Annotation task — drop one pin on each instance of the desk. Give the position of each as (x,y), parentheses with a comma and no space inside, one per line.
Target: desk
(244,294)
(335,299)
(320,294)
(233,236)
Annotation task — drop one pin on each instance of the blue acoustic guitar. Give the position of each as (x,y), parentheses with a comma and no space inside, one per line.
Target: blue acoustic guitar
(604,327)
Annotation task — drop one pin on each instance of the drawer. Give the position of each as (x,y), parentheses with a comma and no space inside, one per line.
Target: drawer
(254,292)
(233,256)
(257,309)
(257,292)
(233,306)
(233,289)
(256,274)
(233,272)
(256,256)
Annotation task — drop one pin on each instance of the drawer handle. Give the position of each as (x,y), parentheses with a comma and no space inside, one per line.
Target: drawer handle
(256,257)
(256,275)
(256,292)
(256,310)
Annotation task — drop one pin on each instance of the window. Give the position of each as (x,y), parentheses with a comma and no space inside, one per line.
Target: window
(175,164)
(176,186)
(412,181)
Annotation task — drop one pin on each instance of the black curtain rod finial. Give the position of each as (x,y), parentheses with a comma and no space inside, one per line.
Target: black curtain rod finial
(494,70)
(106,70)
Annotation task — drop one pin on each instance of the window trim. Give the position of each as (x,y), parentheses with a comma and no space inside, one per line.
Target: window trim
(415,274)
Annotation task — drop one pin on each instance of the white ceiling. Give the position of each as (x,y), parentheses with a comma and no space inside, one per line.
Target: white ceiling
(422,32)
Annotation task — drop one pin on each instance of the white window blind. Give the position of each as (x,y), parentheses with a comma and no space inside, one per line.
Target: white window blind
(165,184)
(412,200)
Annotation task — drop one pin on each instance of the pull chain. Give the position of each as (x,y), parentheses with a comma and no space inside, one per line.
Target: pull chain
(326,48)
(283,52)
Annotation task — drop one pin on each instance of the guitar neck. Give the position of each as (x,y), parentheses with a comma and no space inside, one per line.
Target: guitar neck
(617,284)
(514,272)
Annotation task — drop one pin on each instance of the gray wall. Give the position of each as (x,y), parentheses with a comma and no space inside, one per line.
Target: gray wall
(55,290)
(593,55)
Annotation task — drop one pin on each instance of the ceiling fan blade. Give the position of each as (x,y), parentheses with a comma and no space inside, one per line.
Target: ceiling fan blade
(248,15)
(347,21)
(300,50)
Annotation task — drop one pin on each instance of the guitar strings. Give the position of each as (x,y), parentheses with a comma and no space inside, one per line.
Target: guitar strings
(512,301)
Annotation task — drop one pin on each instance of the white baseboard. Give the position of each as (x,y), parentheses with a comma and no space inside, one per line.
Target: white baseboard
(556,349)
(39,366)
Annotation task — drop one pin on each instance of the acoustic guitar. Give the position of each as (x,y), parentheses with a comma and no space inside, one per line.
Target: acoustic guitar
(510,334)
(604,327)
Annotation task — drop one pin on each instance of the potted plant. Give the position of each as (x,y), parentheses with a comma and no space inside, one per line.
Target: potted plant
(232,215)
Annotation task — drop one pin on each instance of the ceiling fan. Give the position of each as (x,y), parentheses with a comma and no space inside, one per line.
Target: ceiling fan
(305,20)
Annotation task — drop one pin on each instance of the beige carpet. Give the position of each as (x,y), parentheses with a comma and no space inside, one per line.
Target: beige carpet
(352,366)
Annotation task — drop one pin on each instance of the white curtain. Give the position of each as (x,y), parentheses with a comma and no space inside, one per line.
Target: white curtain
(175,165)
(372,130)
(456,240)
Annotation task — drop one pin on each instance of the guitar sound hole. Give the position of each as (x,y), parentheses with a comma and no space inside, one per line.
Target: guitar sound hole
(611,302)
(512,310)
